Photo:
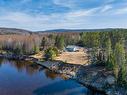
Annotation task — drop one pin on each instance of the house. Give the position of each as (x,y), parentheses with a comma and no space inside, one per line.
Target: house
(72,48)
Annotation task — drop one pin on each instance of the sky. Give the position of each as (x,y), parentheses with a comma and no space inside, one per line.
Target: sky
(37,15)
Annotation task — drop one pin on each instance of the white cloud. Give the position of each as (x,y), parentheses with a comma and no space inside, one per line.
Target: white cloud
(55,20)
(121,11)
(82,13)
(106,8)
(65,3)
(74,19)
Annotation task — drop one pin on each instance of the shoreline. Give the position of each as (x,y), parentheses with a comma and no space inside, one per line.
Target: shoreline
(55,66)
(90,76)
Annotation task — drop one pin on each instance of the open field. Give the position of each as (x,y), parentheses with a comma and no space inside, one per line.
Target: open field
(79,57)
(73,57)
(39,55)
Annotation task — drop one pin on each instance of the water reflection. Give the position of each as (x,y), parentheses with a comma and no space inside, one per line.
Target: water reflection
(21,66)
(31,68)
(57,87)
(27,78)
(1,60)
(53,75)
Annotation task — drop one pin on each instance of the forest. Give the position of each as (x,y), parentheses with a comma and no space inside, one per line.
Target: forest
(104,48)
(33,43)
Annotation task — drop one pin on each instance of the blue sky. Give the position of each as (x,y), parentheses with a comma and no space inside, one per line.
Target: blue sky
(63,14)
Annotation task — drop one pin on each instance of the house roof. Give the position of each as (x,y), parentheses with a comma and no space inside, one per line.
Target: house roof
(71,46)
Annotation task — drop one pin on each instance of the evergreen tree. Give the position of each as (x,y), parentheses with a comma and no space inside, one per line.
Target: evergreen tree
(122,76)
(110,58)
(90,39)
(60,42)
(120,60)
(108,48)
(119,54)
(51,53)
(43,42)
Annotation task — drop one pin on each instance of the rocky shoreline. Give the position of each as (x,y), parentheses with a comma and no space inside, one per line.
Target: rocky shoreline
(94,77)
(18,57)
(72,71)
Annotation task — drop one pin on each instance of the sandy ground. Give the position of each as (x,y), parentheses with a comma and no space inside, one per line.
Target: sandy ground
(73,57)
(38,56)
(68,57)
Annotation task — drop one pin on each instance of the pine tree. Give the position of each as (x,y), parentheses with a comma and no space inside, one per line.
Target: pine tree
(119,54)
(110,58)
(43,42)
(120,60)
(51,53)
(60,42)
(122,76)
(108,47)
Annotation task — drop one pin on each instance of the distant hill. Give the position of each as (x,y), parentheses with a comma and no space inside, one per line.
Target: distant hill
(80,30)
(27,32)
(14,31)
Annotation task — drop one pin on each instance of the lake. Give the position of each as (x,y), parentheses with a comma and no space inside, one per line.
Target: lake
(26,78)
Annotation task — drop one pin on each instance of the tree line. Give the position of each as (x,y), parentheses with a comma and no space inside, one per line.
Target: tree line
(28,44)
(108,49)
(104,48)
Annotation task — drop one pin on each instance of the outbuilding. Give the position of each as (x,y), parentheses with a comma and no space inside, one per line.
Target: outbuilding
(72,48)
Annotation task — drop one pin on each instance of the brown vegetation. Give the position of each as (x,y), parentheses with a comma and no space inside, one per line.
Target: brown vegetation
(22,43)
(80,57)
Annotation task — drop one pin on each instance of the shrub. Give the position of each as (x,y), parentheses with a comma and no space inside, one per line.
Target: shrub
(122,81)
(50,53)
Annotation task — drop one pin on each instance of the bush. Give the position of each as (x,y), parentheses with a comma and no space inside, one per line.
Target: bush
(122,80)
(50,53)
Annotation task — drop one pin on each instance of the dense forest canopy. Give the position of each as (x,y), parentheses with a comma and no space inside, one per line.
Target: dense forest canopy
(106,48)
(33,43)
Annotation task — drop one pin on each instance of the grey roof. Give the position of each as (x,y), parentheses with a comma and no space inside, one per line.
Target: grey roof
(72,46)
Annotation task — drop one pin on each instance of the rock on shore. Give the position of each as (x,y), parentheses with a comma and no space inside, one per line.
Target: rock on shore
(94,77)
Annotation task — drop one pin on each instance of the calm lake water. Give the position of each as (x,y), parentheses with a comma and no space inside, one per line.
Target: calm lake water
(25,78)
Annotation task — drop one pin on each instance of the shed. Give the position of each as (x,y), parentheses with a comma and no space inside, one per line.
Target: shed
(72,48)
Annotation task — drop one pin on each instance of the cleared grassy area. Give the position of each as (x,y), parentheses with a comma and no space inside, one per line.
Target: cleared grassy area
(39,55)
(79,57)
(73,57)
